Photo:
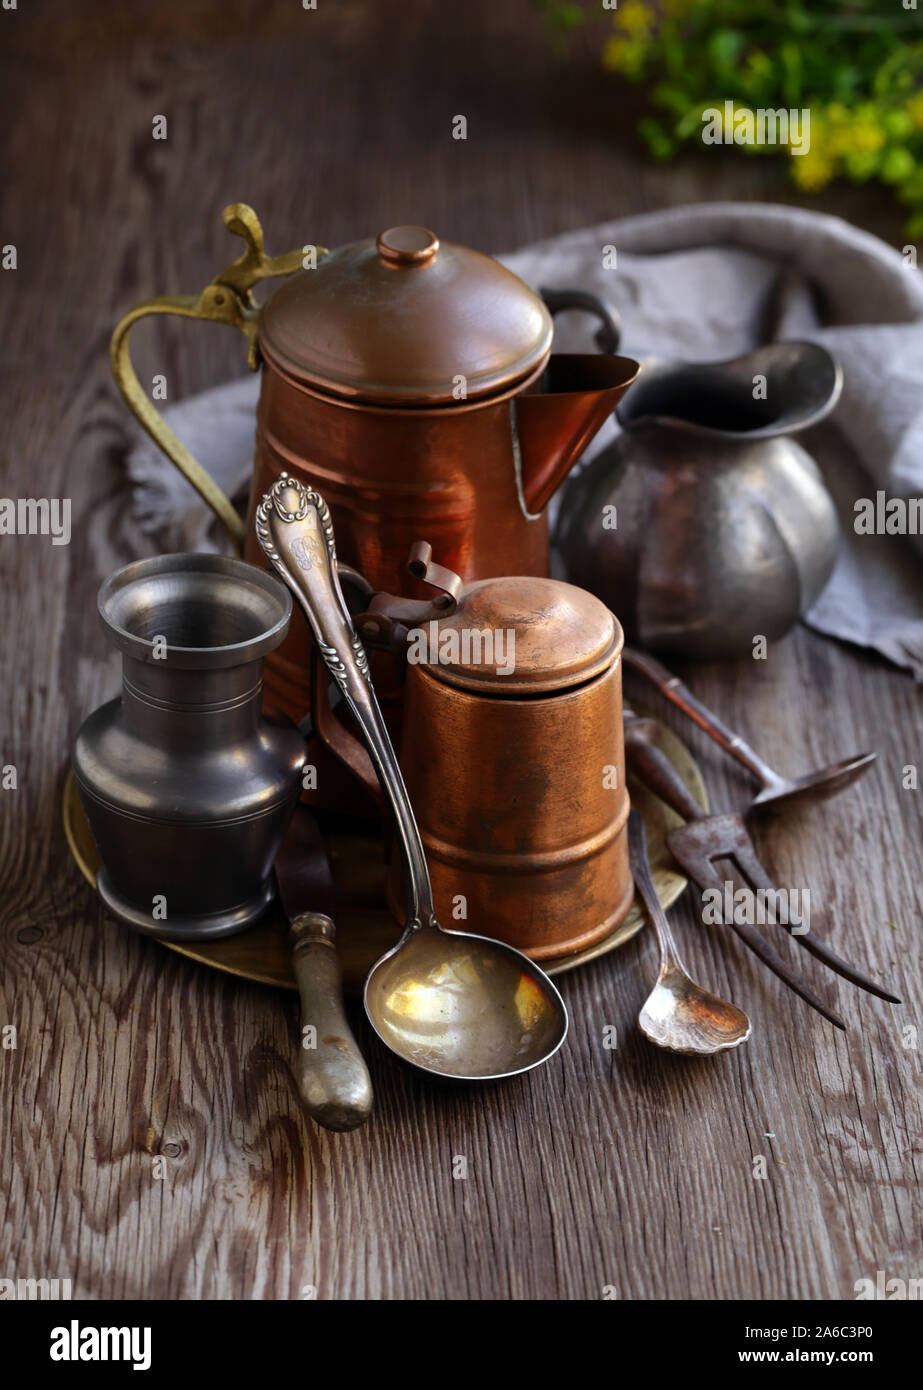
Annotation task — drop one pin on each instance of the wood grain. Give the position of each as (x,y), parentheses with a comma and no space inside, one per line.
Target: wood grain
(623,1168)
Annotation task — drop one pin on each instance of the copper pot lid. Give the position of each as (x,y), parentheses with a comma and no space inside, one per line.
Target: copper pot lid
(406,320)
(515,636)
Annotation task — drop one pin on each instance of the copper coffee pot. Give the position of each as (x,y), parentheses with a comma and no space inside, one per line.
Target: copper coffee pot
(412,383)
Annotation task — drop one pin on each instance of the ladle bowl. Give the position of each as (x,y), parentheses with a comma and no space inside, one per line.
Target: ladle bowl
(463,1006)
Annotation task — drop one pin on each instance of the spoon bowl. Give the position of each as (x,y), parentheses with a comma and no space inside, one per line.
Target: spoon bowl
(678,1014)
(823,782)
(464,1006)
(683,1017)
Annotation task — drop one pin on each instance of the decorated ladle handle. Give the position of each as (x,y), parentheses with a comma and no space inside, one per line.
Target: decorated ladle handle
(294,528)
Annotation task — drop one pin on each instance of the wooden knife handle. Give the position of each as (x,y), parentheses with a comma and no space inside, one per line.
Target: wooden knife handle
(332,1075)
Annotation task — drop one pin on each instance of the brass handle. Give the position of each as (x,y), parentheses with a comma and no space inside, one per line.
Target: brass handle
(227,299)
(333,1079)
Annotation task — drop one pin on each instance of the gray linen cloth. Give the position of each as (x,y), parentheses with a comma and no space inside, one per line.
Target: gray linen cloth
(705,282)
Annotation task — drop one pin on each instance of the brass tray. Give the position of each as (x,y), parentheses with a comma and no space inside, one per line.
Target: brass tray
(365,927)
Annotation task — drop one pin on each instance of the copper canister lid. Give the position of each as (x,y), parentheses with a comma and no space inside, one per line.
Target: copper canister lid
(515,636)
(406,320)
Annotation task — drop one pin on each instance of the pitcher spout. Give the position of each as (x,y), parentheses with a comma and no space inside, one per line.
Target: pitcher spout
(555,425)
(801,384)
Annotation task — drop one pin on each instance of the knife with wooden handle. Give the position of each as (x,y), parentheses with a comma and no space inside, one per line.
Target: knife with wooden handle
(332,1076)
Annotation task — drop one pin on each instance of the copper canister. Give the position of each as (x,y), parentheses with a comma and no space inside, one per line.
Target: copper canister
(513,756)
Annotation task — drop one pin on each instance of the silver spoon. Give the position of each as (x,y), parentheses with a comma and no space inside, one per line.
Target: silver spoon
(678,1014)
(451,1003)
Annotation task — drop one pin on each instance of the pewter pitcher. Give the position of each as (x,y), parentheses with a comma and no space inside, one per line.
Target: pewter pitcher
(704,525)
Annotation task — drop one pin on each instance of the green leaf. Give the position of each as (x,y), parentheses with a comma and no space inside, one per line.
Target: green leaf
(671,98)
(675,57)
(863,165)
(863,56)
(844,82)
(569,17)
(660,143)
(898,124)
(725,47)
(897,165)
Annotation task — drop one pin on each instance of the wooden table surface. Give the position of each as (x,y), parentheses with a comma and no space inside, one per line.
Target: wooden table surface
(623,1169)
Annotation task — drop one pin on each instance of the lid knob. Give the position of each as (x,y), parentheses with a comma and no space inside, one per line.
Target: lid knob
(407,245)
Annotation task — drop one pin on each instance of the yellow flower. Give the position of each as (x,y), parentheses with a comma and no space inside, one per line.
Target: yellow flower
(865,133)
(813,170)
(832,130)
(866,137)
(635,17)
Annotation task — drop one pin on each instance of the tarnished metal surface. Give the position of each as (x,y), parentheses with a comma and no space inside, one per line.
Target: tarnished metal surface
(365,925)
(707,838)
(678,1014)
(522,806)
(704,524)
(187,787)
(822,782)
(406,319)
(332,1076)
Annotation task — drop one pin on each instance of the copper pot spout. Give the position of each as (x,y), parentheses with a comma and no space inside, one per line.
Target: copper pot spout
(556,424)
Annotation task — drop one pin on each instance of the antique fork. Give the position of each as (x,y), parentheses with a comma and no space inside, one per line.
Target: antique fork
(706,838)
